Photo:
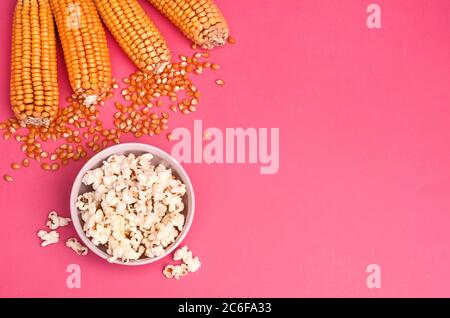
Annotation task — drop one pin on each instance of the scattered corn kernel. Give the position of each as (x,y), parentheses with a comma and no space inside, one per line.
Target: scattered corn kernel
(8,178)
(231,40)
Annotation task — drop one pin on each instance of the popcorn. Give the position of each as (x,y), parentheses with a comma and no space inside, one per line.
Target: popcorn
(48,237)
(193,264)
(165,234)
(174,219)
(134,208)
(168,271)
(175,271)
(190,264)
(155,251)
(182,254)
(84,200)
(55,221)
(93,177)
(100,235)
(76,246)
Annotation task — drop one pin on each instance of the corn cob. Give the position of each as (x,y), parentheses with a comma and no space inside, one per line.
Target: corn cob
(200,20)
(85,49)
(34,85)
(136,33)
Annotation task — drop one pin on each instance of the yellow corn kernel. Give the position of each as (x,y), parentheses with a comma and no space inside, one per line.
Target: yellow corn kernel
(136,33)
(200,20)
(34,89)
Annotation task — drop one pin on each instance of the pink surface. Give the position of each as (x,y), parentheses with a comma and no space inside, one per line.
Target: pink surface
(364,162)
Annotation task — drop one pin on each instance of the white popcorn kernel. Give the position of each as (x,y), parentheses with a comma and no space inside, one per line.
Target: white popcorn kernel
(175,220)
(169,271)
(55,221)
(166,234)
(115,158)
(172,201)
(181,254)
(159,208)
(141,208)
(176,187)
(125,171)
(76,246)
(111,199)
(48,237)
(109,180)
(142,179)
(100,235)
(121,207)
(152,178)
(150,220)
(179,208)
(158,192)
(123,251)
(154,251)
(120,185)
(93,177)
(100,191)
(142,195)
(84,201)
(127,197)
(180,271)
(145,160)
(175,271)
(194,264)
(136,239)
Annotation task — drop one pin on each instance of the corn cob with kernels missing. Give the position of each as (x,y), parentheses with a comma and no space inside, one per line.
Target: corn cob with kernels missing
(85,49)
(200,20)
(136,33)
(34,84)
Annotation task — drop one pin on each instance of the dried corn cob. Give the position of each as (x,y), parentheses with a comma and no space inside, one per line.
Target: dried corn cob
(34,83)
(136,33)
(200,20)
(85,49)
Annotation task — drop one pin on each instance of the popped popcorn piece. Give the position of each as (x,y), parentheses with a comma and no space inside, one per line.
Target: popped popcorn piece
(166,234)
(155,251)
(175,271)
(180,271)
(122,250)
(76,246)
(48,237)
(190,263)
(193,264)
(175,220)
(168,271)
(55,221)
(134,209)
(182,254)
(93,177)
(84,201)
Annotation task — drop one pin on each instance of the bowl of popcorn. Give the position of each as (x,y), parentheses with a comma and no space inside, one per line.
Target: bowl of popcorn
(132,204)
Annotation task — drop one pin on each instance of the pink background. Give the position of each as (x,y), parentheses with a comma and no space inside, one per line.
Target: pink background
(364,162)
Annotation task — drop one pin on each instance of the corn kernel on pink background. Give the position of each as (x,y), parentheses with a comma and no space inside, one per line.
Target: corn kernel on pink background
(364,162)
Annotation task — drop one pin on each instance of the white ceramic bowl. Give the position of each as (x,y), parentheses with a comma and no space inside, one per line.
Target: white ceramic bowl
(160,156)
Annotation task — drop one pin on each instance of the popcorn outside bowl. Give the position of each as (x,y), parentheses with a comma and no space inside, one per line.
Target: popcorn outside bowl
(160,156)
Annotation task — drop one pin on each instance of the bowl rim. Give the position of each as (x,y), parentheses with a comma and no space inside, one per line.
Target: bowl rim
(130,148)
